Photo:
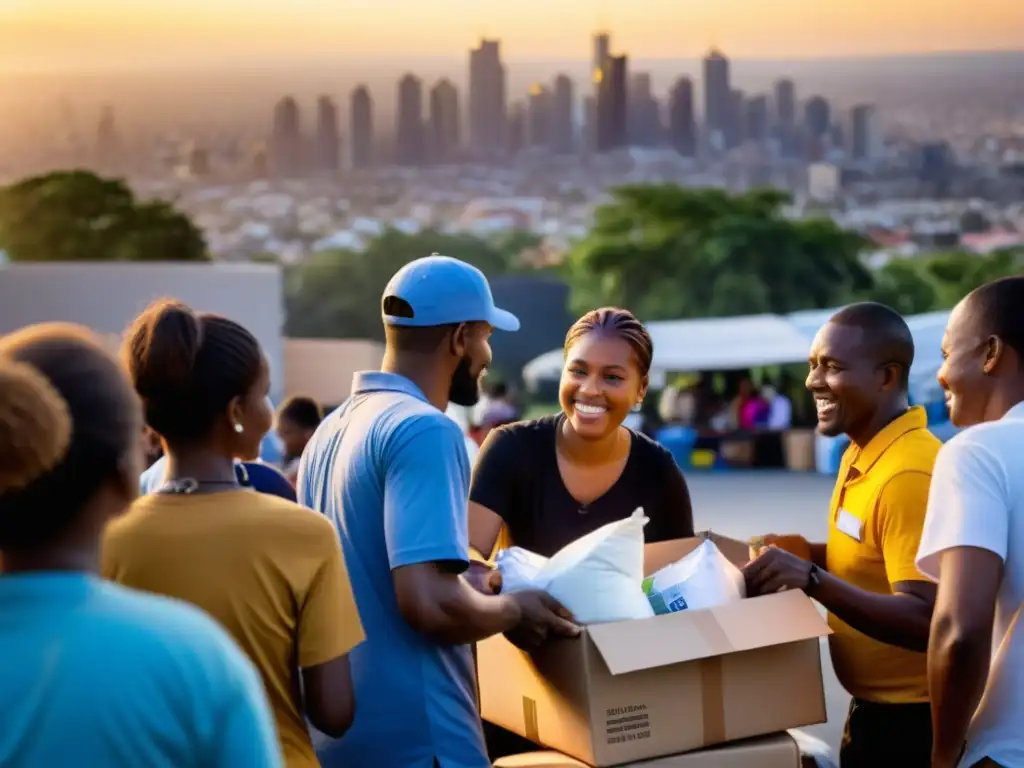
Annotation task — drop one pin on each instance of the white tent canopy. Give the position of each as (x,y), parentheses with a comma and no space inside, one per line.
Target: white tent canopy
(719,344)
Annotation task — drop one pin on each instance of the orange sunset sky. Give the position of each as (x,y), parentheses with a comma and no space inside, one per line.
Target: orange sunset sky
(53,34)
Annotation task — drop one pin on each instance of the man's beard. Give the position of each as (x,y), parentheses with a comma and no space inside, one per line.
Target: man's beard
(465,387)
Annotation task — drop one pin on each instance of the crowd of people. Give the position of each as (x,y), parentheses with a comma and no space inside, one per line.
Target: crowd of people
(221,618)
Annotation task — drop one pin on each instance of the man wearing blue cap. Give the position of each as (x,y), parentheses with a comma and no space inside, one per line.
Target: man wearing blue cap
(390,469)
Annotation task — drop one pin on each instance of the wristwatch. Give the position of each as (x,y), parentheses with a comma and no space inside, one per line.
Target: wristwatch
(812,578)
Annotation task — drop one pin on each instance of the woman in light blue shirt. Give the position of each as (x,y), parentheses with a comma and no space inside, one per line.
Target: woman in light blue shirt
(95,674)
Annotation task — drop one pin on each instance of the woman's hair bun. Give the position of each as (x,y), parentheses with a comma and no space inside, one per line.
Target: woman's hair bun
(161,348)
(35,426)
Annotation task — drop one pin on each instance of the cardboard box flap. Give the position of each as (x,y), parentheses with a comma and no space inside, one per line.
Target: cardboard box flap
(759,622)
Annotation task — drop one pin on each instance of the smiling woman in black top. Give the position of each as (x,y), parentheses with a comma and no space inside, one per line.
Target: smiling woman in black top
(551,480)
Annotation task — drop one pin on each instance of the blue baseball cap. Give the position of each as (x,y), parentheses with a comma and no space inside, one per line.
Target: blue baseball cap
(445,291)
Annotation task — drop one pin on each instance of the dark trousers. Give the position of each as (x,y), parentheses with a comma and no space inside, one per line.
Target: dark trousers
(887,734)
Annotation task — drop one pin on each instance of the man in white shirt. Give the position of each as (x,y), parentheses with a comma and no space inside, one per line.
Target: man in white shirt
(973,540)
(780,410)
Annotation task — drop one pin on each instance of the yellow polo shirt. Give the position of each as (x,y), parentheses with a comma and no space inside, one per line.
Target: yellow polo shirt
(876,516)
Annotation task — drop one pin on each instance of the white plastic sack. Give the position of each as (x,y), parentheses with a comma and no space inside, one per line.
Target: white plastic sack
(598,577)
(519,568)
(703,579)
(822,754)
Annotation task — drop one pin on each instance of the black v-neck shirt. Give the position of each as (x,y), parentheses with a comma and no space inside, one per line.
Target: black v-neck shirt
(517,477)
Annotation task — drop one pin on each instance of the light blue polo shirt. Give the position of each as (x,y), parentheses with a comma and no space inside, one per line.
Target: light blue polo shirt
(98,675)
(391,472)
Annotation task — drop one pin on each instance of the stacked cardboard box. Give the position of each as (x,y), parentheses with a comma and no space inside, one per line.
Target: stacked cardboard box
(776,751)
(632,691)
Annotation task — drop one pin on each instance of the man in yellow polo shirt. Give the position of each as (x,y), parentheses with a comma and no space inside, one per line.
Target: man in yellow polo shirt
(879,604)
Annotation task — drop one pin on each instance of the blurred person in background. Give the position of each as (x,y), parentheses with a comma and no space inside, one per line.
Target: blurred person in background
(973,541)
(543,483)
(270,571)
(152,450)
(389,468)
(879,605)
(297,420)
(96,674)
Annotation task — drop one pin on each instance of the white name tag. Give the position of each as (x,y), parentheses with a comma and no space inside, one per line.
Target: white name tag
(850,525)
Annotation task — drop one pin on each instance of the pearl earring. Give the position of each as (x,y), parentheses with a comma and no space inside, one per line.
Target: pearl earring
(239,428)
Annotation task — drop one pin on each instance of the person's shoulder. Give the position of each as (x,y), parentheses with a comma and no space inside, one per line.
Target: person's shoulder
(416,419)
(531,430)
(916,451)
(650,451)
(988,444)
(267,479)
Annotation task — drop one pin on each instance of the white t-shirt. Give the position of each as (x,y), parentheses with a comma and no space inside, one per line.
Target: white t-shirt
(780,413)
(977,500)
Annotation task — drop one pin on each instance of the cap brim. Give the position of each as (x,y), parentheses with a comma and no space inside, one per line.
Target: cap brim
(503,320)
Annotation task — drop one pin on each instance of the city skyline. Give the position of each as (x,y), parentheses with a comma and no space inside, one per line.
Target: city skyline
(53,35)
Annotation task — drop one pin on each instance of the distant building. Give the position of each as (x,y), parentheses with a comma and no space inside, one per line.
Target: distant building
(756,119)
(516,128)
(361,116)
(563,128)
(444,122)
(817,117)
(487,116)
(682,123)
(328,136)
(784,127)
(286,146)
(644,114)
(718,101)
(613,106)
(823,182)
(409,134)
(539,117)
(865,133)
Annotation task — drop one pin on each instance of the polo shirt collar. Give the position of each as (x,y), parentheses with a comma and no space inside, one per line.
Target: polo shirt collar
(364,382)
(1017,412)
(914,418)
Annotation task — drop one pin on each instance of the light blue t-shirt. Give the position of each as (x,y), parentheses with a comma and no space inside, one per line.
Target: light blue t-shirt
(98,675)
(391,472)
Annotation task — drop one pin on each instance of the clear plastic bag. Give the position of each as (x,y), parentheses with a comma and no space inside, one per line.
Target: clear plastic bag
(703,579)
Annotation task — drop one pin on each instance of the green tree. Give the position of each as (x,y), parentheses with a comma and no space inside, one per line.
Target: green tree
(337,294)
(668,252)
(79,216)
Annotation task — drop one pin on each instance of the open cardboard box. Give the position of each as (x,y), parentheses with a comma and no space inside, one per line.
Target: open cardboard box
(632,690)
(778,750)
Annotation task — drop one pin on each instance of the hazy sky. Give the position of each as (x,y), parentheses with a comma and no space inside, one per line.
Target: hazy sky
(63,34)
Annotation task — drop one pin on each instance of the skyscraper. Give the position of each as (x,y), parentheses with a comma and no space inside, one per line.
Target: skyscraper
(538,117)
(817,116)
(286,140)
(409,139)
(328,138)
(487,108)
(718,101)
(602,52)
(785,104)
(612,105)
(682,124)
(444,122)
(756,119)
(516,127)
(562,123)
(361,116)
(644,115)
(865,133)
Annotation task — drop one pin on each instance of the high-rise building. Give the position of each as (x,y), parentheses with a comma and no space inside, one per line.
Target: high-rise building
(612,105)
(562,123)
(328,136)
(538,117)
(287,152)
(602,53)
(865,133)
(785,103)
(644,115)
(817,117)
(487,115)
(736,123)
(682,123)
(516,127)
(409,138)
(108,144)
(361,116)
(590,122)
(756,119)
(444,122)
(718,101)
